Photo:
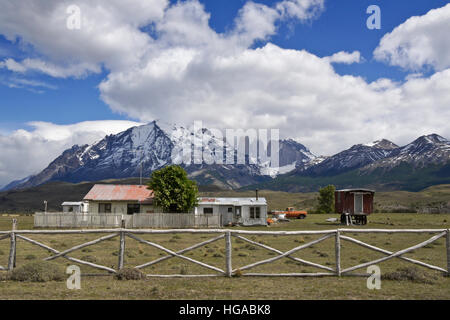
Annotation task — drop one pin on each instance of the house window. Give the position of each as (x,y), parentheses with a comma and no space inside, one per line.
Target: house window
(104,207)
(255,212)
(207,210)
(133,208)
(230,209)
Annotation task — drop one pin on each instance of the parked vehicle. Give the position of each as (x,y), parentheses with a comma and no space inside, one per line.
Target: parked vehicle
(290,212)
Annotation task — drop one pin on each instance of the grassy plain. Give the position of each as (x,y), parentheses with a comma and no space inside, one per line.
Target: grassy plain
(436,285)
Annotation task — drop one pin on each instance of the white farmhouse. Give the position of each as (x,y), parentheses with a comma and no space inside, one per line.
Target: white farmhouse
(245,211)
(120,199)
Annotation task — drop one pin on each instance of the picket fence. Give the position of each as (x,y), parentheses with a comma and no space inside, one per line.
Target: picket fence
(151,220)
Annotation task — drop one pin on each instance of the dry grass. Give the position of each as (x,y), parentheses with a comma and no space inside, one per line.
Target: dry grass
(105,253)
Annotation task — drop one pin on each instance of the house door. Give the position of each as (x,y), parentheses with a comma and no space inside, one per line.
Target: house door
(358,203)
(237,213)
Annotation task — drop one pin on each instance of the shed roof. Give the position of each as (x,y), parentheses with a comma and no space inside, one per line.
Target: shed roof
(112,192)
(68,203)
(232,201)
(356,190)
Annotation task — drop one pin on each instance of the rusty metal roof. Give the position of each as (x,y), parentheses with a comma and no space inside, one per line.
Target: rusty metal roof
(112,192)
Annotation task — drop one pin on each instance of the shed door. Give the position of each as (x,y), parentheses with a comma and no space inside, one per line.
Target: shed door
(358,203)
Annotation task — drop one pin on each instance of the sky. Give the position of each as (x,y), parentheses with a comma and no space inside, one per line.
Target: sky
(73,71)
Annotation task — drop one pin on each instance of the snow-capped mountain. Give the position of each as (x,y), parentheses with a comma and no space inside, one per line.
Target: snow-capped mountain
(422,152)
(356,157)
(155,145)
(380,165)
(146,148)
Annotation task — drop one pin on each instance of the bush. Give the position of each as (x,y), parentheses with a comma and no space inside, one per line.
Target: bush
(183,269)
(129,274)
(411,274)
(41,271)
(30,257)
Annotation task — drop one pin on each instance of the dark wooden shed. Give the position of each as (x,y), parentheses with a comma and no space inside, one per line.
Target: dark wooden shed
(356,203)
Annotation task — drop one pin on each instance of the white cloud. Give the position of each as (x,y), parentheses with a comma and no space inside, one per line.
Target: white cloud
(345,57)
(295,91)
(26,152)
(109,33)
(190,72)
(58,71)
(419,42)
(301,9)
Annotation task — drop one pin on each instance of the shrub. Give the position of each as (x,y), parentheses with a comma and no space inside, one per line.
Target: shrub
(1,252)
(184,269)
(129,274)
(30,257)
(410,274)
(41,271)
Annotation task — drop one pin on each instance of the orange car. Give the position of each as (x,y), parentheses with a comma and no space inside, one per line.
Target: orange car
(291,213)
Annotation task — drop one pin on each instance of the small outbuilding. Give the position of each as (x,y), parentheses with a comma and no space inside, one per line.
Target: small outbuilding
(244,211)
(75,207)
(354,204)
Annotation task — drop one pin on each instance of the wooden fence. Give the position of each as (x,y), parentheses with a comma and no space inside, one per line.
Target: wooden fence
(226,234)
(151,220)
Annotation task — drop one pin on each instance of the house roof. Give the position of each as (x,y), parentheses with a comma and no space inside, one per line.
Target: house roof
(112,192)
(232,201)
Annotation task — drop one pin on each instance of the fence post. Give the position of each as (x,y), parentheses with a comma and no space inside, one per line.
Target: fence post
(338,253)
(122,245)
(12,248)
(448,252)
(228,252)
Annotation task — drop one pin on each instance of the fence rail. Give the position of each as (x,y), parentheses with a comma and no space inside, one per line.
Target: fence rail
(226,234)
(152,220)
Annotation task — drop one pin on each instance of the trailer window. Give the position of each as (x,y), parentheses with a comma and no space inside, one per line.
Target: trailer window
(230,209)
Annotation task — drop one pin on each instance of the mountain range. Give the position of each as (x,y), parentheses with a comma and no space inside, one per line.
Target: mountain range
(140,150)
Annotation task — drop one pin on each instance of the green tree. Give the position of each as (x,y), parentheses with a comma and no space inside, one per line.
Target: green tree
(326,199)
(173,191)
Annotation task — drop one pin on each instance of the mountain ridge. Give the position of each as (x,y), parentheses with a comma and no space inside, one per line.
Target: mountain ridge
(143,149)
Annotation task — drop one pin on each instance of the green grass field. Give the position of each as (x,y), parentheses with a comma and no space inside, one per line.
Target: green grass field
(436,285)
